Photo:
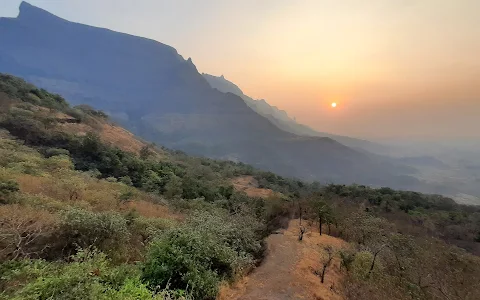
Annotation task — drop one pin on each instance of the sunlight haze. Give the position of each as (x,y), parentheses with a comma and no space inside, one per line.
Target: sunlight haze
(399,68)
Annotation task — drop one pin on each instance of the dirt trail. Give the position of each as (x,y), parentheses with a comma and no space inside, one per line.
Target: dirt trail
(288,270)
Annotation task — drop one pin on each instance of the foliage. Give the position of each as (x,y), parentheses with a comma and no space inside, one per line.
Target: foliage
(106,231)
(415,213)
(210,247)
(7,187)
(89,275)
(19,89)
(24,231)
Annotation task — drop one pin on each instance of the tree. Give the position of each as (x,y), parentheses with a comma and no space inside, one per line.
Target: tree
(347,258)
(323,213)
(327,258)
(7,187)
(146,152)
(173,188)
(301,233)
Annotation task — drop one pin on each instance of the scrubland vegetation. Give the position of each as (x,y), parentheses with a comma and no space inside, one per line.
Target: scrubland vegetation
(80,218)
(393,255)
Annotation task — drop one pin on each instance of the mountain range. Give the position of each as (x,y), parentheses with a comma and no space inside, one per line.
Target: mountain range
(157,94)
(283,121)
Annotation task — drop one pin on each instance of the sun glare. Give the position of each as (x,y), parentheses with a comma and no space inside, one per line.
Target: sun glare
(334,104)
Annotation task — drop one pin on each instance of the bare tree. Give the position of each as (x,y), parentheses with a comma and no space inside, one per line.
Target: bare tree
(301,233)
(23,233)
(326,262)
(375,255)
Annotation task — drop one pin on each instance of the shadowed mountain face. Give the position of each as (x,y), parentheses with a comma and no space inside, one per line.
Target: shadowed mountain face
(160,96)
(281,119)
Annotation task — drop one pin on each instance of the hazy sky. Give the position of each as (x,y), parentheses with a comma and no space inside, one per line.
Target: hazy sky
(396,67)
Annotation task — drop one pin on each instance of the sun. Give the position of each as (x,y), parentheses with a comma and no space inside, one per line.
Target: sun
(334,104)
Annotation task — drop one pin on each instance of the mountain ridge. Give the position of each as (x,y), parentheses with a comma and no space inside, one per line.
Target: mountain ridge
(282,120)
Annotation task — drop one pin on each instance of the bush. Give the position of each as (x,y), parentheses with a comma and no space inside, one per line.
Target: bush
(211,247)
(7,187)
(149,228)
(57,163)
(49,152)
(25,231)
(361,264)
(185,259)
(106,231)
(88,275)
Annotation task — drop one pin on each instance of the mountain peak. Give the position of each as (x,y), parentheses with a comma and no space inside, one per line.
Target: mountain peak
(30,12)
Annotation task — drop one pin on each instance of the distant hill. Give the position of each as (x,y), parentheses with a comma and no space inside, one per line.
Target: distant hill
(283,121)
(423,161)
(160,96)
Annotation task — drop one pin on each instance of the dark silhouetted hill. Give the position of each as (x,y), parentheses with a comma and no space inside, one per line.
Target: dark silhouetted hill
(283,121)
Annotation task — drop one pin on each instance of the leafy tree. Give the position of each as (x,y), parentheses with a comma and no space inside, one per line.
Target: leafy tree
(7,187)
(323,212)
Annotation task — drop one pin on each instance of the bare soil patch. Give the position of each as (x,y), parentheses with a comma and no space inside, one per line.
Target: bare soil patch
(249,185)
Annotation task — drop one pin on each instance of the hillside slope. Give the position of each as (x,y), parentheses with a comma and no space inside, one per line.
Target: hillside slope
(161,97)
(83,202)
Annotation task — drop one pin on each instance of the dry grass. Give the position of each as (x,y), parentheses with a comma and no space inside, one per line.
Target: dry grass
(310,261)
(121,138)
(24,231)
(74,128)
(72,189)
(110,134)
(76,189)
(249,185)
(150,210)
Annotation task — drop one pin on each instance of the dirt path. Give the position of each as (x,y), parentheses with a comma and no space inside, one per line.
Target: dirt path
(287,271)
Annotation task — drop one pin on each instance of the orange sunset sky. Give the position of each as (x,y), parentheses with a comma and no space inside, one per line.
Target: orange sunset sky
(396,68)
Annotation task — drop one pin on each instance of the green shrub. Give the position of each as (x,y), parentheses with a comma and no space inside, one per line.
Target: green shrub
(126,180)
(360,266)
(32,98)
(149,228)
(210,247)
(17,111)
(241,231)
(82,228)
(19,272)
(89,275)
(49,152)
(81,279)
(7,187)
(184,258)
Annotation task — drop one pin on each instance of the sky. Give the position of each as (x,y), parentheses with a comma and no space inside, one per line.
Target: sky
(396,68)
